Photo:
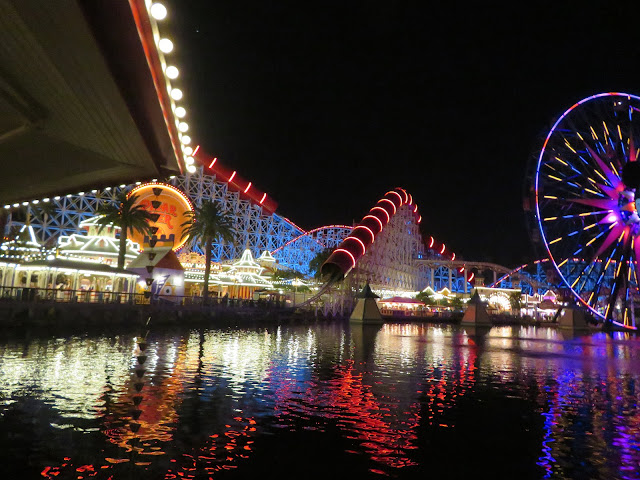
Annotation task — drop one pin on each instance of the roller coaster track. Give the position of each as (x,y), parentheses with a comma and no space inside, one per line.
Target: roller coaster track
(325,289)
(467,265)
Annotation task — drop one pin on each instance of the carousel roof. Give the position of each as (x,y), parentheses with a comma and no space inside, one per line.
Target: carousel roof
(67,264)
(401,300)
(91,245)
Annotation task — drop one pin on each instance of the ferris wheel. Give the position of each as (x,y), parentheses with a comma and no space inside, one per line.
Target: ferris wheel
(586,179)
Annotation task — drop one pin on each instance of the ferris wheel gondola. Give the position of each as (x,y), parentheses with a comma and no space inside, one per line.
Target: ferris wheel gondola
(586,180)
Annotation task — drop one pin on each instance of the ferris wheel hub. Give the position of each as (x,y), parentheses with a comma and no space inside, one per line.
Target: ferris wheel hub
(631,175)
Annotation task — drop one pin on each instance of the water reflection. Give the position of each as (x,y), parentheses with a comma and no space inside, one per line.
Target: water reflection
(405,400)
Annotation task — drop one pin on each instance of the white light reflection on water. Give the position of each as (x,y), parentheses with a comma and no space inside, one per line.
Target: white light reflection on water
(398,400)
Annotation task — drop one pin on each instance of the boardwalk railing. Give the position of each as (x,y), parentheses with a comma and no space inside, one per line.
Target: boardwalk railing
(57,295)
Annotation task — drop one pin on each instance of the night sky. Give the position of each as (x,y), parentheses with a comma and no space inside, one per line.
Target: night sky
(328,105)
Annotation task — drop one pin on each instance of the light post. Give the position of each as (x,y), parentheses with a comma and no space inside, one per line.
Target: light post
(295,283)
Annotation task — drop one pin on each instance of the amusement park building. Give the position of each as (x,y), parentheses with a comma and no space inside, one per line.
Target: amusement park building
(388,262)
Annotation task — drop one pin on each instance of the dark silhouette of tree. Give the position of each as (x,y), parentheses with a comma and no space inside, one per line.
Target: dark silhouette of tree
(205,224)
(124,213)
(316,262)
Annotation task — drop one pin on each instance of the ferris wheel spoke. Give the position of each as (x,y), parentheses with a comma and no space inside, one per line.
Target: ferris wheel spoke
(633,153)
(614,180)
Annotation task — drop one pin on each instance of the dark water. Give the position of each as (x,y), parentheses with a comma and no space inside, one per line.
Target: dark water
(322,401)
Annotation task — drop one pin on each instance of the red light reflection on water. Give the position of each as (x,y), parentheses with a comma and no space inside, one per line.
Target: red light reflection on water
(219,452)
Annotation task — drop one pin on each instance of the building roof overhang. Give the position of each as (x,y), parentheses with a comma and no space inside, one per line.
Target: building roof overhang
(79,107)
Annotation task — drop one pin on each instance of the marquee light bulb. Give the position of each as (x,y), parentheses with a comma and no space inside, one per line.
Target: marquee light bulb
(186,139)
(191,168)
(165,45)
(183,127)
(172,72)
(187,150)
(158,11)
(176,94)
(180,112)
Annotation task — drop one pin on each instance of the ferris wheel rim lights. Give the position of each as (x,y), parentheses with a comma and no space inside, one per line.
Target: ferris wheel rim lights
(609,195)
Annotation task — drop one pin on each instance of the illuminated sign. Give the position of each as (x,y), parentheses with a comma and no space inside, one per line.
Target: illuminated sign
(170,205)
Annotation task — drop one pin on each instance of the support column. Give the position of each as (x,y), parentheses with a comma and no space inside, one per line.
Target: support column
(450,279)
(464,277)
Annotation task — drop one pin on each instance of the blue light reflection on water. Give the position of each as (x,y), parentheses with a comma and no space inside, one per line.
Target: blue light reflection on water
(405,400)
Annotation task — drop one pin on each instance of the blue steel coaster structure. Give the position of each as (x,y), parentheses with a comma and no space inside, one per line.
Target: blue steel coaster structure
(258,228)
(585,184)
(390,264)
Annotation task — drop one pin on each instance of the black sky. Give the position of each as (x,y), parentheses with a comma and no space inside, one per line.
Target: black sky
(327,105)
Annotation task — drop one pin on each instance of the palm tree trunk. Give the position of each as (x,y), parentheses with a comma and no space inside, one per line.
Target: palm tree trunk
(207,266)
(123,247)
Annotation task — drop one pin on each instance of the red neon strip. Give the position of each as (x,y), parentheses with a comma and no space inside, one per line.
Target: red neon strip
(373,237)
(471,276)
(406,195)
(442,251)
(392,204)
(364,249)
(420,219)
(453,257)
(213,162)
(410,200)
(383,210)
(353,260)
(431,244)
(309,233)
(415,209)
(195,151)
(232,175)
(248,187)
(391,191)
(377,219)
(263,197)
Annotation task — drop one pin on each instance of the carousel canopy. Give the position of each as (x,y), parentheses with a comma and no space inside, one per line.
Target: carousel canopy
(411,301)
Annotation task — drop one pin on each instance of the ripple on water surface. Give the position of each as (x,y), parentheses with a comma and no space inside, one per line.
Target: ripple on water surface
(403,400)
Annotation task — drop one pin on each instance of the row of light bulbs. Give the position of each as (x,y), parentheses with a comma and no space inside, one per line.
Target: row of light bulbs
(79,194)
(159,12)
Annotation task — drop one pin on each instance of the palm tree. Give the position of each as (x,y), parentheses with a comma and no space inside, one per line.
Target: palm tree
(124,213)
(318,260)
(207,223)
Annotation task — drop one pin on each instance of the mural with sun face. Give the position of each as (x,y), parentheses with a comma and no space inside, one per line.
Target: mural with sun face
(169,205)
(586,180)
